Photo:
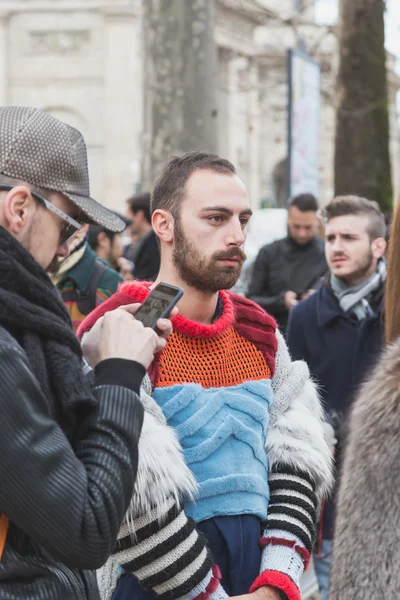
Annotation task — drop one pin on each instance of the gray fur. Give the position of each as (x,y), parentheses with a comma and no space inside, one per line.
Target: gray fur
(366,562)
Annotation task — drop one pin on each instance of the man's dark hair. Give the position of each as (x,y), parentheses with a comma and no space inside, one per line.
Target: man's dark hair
(355,205)
(169,189)
(140,202)
(305,203)
(93,236)
(95,230)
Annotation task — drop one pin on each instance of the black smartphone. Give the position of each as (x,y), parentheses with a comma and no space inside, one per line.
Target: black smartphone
(158,304)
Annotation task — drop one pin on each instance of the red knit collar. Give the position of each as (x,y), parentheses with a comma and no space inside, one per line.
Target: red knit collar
(139,291)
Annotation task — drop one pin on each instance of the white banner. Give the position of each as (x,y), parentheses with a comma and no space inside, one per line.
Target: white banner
(304,108)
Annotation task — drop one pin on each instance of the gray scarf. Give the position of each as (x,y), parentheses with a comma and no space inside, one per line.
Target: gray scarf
(354,299)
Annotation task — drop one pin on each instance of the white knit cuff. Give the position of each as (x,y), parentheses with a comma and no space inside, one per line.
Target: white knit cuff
(284,553)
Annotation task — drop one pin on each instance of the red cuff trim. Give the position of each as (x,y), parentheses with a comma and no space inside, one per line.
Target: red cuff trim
(212,586)
(278,580)
(216,572)
(274,541)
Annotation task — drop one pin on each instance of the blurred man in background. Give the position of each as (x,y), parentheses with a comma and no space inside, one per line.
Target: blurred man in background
(107,245)
(145,252)
(289,270)
(84,279)
(109,248)
(339,330)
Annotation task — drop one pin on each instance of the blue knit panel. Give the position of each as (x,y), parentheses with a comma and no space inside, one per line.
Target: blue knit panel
(223,432)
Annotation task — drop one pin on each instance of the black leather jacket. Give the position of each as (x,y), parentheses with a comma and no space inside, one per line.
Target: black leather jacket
(65,504)
(285,266)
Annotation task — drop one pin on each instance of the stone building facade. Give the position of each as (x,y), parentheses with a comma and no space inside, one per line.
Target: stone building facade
(82,61)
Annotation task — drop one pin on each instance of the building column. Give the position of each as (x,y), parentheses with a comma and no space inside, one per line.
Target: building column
(254,171)
(235,113)
(123,104)
(4,58)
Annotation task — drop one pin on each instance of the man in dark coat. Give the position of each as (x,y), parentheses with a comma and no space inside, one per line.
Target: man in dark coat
(145,252)
(338,331)
(68,442)
(290,269)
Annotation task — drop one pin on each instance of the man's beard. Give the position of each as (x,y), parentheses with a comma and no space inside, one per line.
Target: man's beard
(363,271)
(198,272)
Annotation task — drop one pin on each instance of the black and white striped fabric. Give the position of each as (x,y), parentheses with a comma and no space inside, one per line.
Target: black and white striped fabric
(292,505)
(166,553)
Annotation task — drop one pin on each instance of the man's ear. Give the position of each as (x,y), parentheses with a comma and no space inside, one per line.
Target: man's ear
(163,225)
(102,239)
(18,206)
(378,247)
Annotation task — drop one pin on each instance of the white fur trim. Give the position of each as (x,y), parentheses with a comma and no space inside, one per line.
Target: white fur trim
(296,436)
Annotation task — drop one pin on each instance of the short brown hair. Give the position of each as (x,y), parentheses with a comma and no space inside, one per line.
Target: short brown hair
(355,205)
(169,189)
(305,203)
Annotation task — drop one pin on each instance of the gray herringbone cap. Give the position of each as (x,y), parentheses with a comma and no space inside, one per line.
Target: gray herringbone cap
(41,150)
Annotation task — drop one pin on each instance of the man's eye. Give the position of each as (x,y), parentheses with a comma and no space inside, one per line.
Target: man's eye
(216,219)
(244,222)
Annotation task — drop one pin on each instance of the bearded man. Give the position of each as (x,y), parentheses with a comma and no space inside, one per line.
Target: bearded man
(339,330)
(248,420)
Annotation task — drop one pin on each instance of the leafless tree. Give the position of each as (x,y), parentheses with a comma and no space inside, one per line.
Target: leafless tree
(362,160)
(179,80)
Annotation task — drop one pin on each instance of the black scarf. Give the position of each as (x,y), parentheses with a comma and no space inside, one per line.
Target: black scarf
(31,310)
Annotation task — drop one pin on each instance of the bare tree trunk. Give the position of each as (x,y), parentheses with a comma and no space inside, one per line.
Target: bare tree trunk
(362,160)
(179,80)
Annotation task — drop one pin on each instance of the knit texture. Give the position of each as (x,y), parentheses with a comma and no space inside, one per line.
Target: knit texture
(188,556)
(166,554)
(251,321)
(199,359)
(222,432)
(31,309)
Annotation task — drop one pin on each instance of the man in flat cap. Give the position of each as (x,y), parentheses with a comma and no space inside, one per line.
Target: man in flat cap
(68,443)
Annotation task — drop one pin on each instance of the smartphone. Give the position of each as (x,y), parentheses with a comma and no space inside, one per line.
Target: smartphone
(158,304)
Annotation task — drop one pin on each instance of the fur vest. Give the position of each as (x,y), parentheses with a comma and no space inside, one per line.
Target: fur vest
(366,547)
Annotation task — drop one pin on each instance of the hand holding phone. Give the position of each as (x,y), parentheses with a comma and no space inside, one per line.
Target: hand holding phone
(118,335)
(158,304)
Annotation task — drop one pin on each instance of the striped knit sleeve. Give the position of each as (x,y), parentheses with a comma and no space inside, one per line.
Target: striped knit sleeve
(289,531)
(168,555)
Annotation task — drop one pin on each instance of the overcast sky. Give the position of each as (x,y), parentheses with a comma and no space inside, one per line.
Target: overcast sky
(327,11)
